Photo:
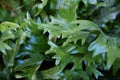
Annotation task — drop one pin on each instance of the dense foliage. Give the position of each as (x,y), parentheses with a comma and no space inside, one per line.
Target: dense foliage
(59,39)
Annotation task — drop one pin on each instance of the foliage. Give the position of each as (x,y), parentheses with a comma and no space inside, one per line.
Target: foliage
(60,39)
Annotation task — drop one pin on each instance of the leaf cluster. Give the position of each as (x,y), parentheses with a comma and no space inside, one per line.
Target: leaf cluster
(62,40)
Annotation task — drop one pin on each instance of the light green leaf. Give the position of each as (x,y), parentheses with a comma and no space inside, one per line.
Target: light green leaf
(4,46)
(85,25)
(7,35)
(40,6)
(74,36)
(28,18)
(22,36)
(8,26)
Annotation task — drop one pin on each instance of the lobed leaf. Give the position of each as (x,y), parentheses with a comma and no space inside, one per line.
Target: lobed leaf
(8,26)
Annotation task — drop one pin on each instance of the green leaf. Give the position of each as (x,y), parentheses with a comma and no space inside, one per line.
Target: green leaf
(40,6)
(37,59)
(85,25)
(28,66)
(7,35)
(113,52)
(28,18)
(62,55)
(75,35)
(4,46)
(109,15)
(85,2)
(54,28)
(92,1)
(67,9)
(105,44)
(22,36)
(79,37)
(53,73)
(30,73)
(102,4)
(116,66)
(75,75)
(71,31)
(92,69)
(99,45)
(8,26)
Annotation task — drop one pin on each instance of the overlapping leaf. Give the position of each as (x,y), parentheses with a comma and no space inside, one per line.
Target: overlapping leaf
(105,44)
(67,10)
(8,26)
(68,33)
(63,58)
(39,7)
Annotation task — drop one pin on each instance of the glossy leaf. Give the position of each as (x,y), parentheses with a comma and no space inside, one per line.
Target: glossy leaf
(59,39)
(104,44)
(67,9)
(99,45)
